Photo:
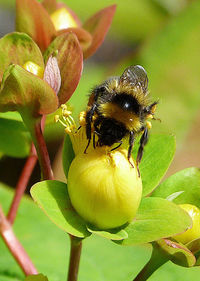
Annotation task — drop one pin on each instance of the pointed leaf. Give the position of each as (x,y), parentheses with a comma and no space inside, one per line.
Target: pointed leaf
(38,277)
(98,26)
(83,36)
(70,61)
(67,155)
(49,5)
(52,74)
(158,154)
(33,19)
(18,48)
(53,198)
(113,234)
(156,218)
(183,186)
(177,253)
(23,90)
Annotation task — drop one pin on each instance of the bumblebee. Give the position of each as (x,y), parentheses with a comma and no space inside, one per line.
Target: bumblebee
(121,107)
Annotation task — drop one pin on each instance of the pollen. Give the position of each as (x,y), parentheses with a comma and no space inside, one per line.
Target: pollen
(66,120)
(149,125)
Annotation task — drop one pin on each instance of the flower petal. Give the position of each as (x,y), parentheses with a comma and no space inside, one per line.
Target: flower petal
(52,74)
(33,19)
(22,90)
(18,48)
(98,26)
(70,62)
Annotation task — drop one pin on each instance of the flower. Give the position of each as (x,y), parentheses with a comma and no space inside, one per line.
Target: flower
(47,20)
(34,87)
(103,187)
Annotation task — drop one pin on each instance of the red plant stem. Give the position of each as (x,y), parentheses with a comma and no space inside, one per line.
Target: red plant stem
(42,153)
(22,184)
(15,247)
(75,254)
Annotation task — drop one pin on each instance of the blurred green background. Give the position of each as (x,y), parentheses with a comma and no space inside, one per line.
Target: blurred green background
(164,37)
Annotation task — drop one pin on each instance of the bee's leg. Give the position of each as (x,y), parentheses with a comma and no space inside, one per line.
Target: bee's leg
(120,143)
(96,131)
(131,142)
(89,116)
(143,142)
(94,143)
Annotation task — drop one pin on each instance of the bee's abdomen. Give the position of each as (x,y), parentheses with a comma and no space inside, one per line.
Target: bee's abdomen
(111,132)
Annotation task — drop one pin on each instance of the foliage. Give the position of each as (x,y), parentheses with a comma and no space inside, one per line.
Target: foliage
(165,39)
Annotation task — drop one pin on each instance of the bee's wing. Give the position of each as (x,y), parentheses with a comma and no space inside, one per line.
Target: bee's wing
(135,75)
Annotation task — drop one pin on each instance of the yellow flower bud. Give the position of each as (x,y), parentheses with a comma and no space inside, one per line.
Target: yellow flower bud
(62,19)
(34,68)
(194,232)
(104,188)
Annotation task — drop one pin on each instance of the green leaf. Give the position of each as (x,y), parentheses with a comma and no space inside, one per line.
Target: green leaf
(23,91)
(33,19)
(38,277)
(70,62)
(67,155)
(182,187)
(158,154)
(53,198)
(49,248)
(18,48)
(11,115)
(14,140)
(177,252)
(156,218)
(113,234)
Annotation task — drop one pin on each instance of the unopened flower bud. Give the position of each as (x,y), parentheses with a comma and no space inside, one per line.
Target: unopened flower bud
(34,68)
(194,232)
(104,188)
(62,19)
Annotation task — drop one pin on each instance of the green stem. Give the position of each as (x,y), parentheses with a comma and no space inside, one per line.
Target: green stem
(75,254)
(158,258)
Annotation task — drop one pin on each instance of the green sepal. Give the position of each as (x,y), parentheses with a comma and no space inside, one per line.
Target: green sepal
(23,91)
(112,234)
(33,19)
(52,197)
(70,61)
(177,252)
(18,48)
(156,218)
